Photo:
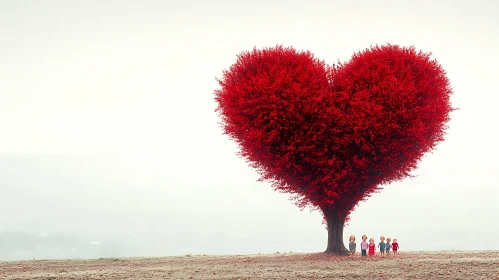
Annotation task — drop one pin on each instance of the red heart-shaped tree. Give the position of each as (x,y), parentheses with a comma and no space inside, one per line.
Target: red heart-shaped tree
(332,135)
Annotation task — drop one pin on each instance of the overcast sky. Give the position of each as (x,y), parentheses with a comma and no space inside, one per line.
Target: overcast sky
(107,121)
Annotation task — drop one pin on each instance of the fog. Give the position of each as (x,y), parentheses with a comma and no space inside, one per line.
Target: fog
(110,146)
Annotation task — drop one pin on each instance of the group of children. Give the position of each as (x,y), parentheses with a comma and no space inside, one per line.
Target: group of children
(371,247)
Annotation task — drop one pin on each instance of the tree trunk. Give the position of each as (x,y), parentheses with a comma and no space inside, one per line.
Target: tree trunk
(335,226)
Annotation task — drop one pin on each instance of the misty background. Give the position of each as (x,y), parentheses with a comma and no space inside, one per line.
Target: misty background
(110,147)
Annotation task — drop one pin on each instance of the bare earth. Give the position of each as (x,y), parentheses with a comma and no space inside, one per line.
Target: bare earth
(411,265)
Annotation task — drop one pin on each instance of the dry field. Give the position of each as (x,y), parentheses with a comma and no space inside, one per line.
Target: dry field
(411,265)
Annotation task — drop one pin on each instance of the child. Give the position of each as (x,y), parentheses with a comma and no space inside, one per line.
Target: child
(388,245)
(363,245)
(372,247)
(395,246)
(382,245)
(352,245)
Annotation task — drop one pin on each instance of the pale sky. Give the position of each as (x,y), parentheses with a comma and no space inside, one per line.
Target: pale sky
(108,126)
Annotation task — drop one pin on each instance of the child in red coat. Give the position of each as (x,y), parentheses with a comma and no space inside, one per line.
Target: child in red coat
(372,247)
(395,246)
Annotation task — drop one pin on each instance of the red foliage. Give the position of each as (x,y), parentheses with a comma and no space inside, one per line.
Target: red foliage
(331,135)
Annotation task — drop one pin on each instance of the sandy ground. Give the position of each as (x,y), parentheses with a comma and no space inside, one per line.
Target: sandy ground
(412,265)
